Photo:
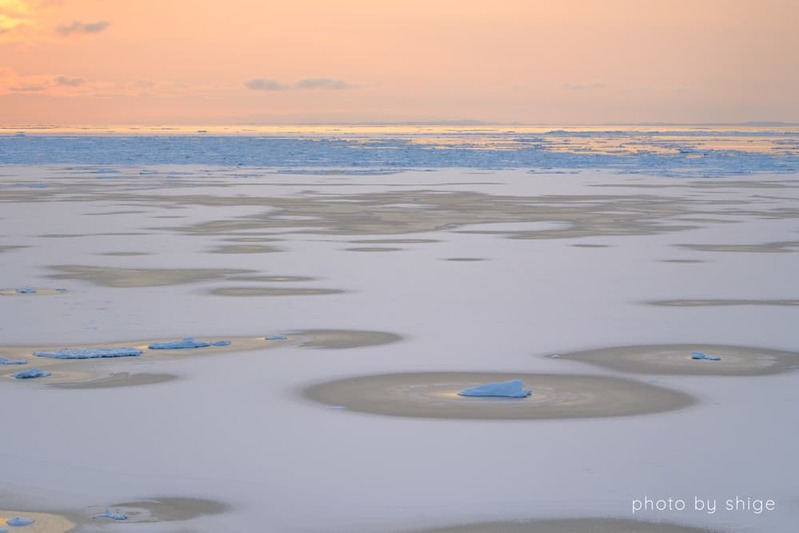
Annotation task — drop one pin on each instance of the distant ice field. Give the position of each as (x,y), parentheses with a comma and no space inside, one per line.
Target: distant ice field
(663,151)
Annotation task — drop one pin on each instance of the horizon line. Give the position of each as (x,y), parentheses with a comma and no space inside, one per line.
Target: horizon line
(464,122)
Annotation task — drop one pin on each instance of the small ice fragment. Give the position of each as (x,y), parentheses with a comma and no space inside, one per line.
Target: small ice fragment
(703,356)
(20,521)
(4,361)
(31,373)
(108,513)
(554,356)
(89,353)
(506,389)
(276,338)
(26,290)
(187,343)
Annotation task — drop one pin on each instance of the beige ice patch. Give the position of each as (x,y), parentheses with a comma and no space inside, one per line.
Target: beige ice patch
(272,279)
(98,372)
(766,247)
(272,291)
(569,525)
(714,302)
(245,249)
(677,359)
(115,380)
(372,249)
(141,277)
(43,522)
(341,339)
(31,291)
(163,509)
(554,396)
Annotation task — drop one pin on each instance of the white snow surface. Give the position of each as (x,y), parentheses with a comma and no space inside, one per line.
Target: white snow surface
(235,428)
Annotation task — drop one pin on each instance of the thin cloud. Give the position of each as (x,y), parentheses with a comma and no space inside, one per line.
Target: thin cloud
(323,83)
(330,84)
(82,27)
(28,88)
(584,86)
(260,84)
(60,85)
(69,82)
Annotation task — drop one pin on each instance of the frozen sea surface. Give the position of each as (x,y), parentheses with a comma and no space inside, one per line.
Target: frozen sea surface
(666,151)
(477,271)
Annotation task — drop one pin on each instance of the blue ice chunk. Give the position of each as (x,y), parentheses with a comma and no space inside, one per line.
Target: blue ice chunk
(26,290)
(188,342)
(90,353)
(276,338)
(20,521)
(31,373)
(505,389)
(108,513)
(4,361)
(704,356)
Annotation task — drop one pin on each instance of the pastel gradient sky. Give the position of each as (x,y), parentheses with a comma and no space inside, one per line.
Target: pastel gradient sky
(340,61)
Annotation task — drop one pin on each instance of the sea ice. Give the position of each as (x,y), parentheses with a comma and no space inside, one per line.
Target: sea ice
(20,521)
(188,342)
(557,150)
(30,374)
(90,353)
(276,338)
(506,389)
(4,361)
(108,513)
(704,356)
(26,290)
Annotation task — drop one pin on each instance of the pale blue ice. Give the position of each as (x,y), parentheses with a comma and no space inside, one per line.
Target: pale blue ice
(89,353)
(4,361)
(703,356)
(187,343)
(505,389)
(20,521)
(31,373)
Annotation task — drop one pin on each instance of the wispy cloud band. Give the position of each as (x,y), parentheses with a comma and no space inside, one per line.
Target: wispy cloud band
(584,86)
(82,27)
(65,81)
(263,84)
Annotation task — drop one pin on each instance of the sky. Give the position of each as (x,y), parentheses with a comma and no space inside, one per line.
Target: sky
(105,62)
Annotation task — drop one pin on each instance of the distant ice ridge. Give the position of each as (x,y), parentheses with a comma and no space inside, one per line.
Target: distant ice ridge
(669,153)
(89,353)
(187,343)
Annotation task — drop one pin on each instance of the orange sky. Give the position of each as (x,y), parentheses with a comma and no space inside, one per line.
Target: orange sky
(279,61)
